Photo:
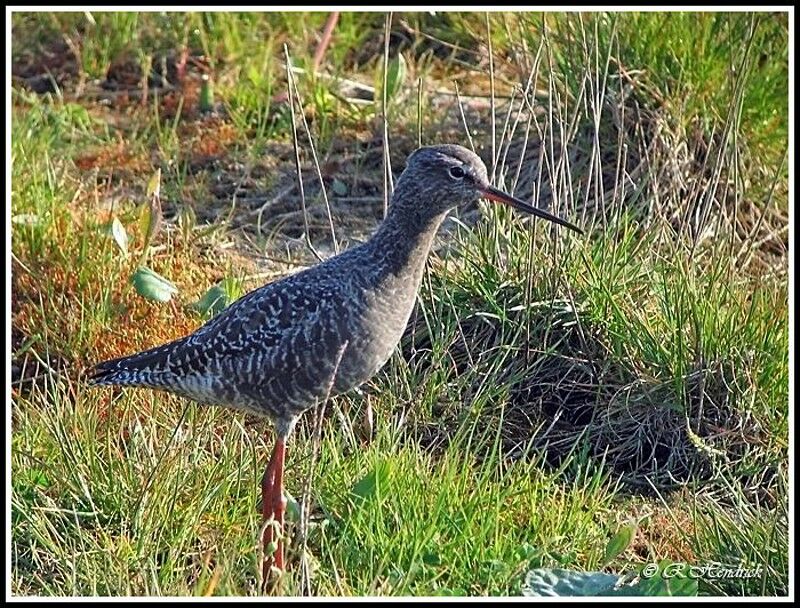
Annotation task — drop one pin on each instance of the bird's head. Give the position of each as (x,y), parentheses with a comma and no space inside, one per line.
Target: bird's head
(446,176)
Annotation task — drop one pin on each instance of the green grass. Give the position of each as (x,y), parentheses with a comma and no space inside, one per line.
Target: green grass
(550,388)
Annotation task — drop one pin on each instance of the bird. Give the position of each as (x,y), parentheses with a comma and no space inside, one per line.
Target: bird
(284,347)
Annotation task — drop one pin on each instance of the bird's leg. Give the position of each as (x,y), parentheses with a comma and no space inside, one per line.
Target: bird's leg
(273,507)
(325,40)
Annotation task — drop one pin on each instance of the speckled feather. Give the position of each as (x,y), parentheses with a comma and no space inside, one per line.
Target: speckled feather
(274,351)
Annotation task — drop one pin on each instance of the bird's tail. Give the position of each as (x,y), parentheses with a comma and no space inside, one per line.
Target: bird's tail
(142,369)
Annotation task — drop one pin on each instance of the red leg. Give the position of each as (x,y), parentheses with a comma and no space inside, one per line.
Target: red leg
(273,507)
(325,40)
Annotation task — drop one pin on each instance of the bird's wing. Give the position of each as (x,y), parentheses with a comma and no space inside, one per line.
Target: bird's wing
(263,321)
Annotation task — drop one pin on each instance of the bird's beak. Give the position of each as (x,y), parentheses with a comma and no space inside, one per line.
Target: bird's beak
(493,194)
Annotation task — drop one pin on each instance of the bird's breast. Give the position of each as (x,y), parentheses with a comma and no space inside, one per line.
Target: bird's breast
(379,324)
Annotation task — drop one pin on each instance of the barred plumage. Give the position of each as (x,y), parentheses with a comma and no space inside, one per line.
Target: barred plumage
(272,352)
(278,350)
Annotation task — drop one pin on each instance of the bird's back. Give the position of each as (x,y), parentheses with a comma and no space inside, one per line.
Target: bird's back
(275,350)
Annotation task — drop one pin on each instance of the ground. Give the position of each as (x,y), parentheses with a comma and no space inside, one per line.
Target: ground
(584,403)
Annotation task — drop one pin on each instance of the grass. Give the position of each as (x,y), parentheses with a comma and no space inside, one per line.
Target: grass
(549,390)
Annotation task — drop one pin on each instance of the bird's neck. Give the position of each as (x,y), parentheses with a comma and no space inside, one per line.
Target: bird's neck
(404,239)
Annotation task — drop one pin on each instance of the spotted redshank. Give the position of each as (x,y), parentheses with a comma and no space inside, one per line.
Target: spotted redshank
(280,349)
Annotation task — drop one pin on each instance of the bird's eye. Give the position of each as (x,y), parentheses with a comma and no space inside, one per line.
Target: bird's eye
(457,172)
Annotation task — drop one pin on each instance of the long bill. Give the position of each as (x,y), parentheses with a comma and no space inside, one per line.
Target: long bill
(493,194)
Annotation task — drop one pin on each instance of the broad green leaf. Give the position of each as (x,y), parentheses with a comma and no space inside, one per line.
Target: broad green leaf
(396,75)
(40,478)
(621,541)
(145,219)
(431,558)
(31,484)
(150,220)
(558,582)
(395,78)
(212,302)
(339,187)
(293,511)
(370,485)
(152,285)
